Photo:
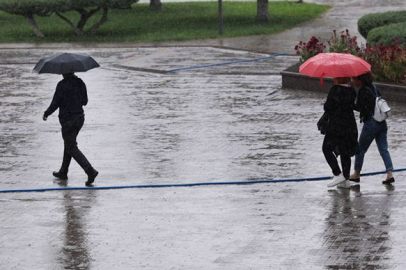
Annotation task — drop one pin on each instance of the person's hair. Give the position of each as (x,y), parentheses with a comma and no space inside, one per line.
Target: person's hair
(67,75)
(366,78)
(342,80)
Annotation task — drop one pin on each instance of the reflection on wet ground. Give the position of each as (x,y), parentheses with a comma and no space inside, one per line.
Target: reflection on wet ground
(223,123)
(360,223)
(76,206)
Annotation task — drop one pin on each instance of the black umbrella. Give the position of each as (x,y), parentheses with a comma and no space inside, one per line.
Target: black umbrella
(66,63)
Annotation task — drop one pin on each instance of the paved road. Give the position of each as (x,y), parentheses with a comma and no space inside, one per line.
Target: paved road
(145,125)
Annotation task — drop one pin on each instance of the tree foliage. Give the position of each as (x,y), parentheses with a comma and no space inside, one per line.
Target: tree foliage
(86,9)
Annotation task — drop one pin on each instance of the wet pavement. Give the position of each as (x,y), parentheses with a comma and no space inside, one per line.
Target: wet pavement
(148,125)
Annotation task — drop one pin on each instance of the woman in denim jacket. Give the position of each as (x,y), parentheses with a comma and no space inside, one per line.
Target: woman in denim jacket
(372,129)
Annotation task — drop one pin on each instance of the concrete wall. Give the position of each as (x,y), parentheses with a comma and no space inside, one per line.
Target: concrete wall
(294,80)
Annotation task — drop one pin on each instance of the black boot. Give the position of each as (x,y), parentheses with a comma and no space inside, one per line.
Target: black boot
(90,178)
(61,175)
(388,181)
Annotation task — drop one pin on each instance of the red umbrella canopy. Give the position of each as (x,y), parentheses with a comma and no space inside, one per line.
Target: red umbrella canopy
(334,65)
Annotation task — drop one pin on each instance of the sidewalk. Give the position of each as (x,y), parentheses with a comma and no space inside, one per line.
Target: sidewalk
(278,226)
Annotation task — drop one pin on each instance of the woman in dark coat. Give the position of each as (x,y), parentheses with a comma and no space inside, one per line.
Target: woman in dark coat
(342,133)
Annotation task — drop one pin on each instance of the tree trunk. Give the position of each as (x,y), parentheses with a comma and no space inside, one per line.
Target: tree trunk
(262,11)
(155,5)
(77,30)
(84,17)
(99,23)
(33,24)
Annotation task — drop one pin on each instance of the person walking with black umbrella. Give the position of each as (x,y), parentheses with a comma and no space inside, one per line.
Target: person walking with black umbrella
(70,97)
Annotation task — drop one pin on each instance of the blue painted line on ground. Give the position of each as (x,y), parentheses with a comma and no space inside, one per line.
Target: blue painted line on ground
(321,178)
(227,63)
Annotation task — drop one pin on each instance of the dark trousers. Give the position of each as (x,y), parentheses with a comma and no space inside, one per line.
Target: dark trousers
(329,145)
(70,131)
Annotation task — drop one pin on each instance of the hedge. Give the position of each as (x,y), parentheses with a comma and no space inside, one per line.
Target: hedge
(371,21)
(386,35)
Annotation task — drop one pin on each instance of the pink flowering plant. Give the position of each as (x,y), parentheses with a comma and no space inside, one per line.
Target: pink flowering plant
(388,63)
(309,49)
(345,43)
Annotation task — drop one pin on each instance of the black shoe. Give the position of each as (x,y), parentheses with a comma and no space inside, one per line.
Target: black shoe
(356,180)
(388,181)
(91,177)
(61,175)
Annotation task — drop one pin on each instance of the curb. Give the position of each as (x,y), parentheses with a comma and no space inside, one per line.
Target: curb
(297,81)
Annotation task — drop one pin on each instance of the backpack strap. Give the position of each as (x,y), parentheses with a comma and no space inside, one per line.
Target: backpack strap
(374,92)
(375,95)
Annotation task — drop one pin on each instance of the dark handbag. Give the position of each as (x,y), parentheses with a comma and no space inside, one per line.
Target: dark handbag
(322,123)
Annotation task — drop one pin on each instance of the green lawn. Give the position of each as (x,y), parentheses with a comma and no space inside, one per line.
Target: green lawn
(176,21)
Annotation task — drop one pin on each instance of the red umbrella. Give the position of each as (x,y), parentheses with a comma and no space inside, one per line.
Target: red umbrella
(334,65)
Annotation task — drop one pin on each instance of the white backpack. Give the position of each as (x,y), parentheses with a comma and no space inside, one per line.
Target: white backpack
(382,109)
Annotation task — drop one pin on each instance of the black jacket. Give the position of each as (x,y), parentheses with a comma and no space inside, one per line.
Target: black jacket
(342,127)
(70,97)
(366,102)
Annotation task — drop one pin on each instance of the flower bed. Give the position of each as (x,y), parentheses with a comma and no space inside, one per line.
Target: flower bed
(388,64)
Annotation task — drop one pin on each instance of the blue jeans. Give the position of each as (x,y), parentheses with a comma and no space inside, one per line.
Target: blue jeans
(370,131)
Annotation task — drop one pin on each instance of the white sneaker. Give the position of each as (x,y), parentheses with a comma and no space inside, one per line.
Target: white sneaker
(345,184)
(336,180)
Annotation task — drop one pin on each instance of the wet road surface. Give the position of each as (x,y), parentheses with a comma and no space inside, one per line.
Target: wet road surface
(145,125)
(209,124)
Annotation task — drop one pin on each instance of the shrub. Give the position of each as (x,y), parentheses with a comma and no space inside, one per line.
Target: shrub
(371,21)
(309,49)
(388,63)
(386,35)
(343,44)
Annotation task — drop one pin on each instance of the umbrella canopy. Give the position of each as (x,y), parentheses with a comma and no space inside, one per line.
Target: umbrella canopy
(66,63)
(334,65)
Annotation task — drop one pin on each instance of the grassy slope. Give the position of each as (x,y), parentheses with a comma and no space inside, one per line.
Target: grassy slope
(177,21)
